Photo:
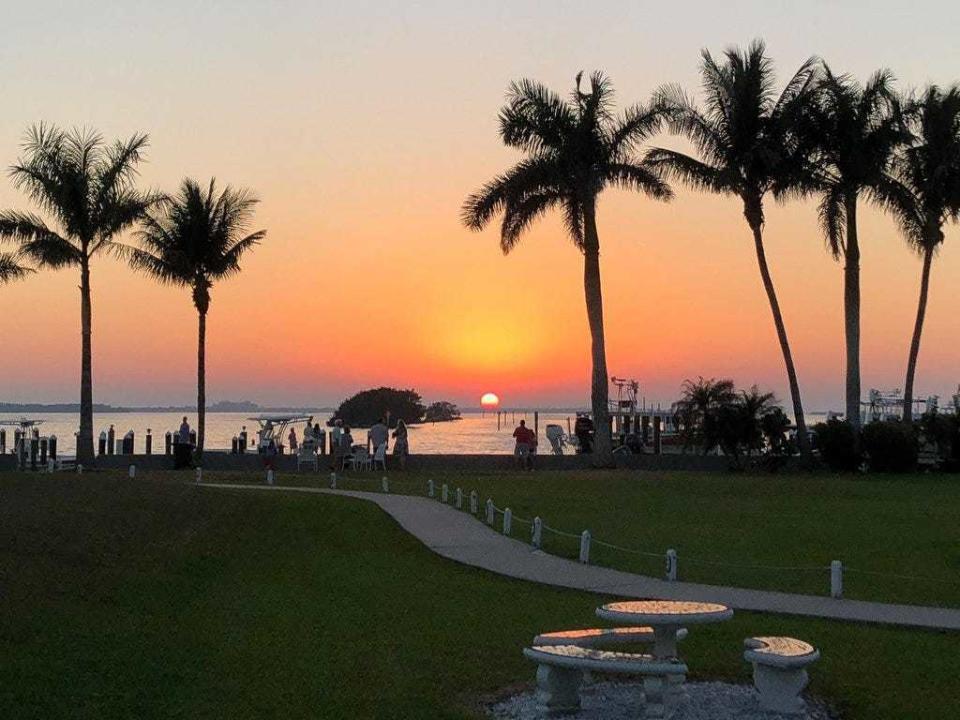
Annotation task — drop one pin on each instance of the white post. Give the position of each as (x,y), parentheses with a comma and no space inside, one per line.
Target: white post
(537,535)
(51,465)
(79,468)
(474,502)
(200,475)
(333,481)
(133,471)
(431,492)
(672,565)
(490,515)
(585,547)
(507,521)
(444,494)
(459,499)
(270,477)
(385,485)
(836,579)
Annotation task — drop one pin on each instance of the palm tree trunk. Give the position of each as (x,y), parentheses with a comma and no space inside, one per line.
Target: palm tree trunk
(85,454)
(603,446)
(917,330)
(201,381)
(851,310)
(802,440)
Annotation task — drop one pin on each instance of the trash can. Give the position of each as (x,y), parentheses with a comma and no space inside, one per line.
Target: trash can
(182,456)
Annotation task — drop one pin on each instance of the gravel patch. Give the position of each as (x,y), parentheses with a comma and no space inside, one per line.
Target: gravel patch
(623,701)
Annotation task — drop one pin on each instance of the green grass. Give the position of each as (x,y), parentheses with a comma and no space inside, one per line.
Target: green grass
(895,526)
(147,599)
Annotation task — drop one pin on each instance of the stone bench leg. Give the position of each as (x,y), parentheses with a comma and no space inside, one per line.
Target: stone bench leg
(656,693)
(558,689)
(780,689)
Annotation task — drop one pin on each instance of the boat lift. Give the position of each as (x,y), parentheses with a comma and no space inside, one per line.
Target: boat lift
(888,405)
(274,427)
(26,440)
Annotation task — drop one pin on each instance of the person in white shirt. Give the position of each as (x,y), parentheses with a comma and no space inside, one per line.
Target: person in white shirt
(378,434)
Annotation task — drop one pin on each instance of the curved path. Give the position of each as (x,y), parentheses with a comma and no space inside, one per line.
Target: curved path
(458,536)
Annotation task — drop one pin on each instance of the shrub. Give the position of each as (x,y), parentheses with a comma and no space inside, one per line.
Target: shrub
(943,431)
(890,446)
(837,442)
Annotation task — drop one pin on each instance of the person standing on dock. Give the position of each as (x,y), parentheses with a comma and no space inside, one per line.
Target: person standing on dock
(184,433)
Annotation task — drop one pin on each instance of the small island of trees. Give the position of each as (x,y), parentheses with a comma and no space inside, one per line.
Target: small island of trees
(391,404)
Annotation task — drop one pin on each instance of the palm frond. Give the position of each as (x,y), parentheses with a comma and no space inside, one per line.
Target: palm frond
(637,125)
(642,177)
(833,221)
(525,178)
(37,241)
(11,269)
(688,170)
(534,118)
(520,214)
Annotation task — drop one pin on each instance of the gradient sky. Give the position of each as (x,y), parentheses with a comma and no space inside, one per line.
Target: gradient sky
(363,125)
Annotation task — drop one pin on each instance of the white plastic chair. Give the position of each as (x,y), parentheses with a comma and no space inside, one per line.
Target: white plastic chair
(306,456)
(361,458)
(380,456)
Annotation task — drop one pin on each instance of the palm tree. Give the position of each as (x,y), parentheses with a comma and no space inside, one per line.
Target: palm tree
(747,147)
(11,269)
(700,402)
(927,194)
(573,149)
(87,187)
(853,131)
(197,239)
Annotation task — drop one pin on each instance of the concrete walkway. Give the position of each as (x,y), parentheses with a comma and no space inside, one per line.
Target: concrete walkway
(457,535)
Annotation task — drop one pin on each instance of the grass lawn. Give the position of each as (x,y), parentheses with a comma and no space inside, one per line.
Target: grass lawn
(890,525)
(151,599)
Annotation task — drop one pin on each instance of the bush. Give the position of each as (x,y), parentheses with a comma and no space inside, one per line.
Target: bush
(837,443)
(890,446)
(942,431)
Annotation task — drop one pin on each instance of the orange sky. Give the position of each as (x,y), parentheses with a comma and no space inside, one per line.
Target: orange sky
(363,131)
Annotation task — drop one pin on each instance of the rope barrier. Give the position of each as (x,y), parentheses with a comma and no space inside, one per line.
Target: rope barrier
(628,550)
(895,576)
(720,563)
(561,532)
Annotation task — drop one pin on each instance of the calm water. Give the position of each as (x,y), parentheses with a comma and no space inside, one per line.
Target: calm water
(475,433)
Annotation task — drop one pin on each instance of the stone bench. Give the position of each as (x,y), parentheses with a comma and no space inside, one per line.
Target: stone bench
(560,671)
(601,637)
(779,671)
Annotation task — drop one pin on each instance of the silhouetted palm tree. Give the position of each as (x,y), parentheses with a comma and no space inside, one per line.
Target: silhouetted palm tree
(854,131)
(927,195)
(196,240)
(574,150)
(11,269)
(700,403)
(747,147)
(87,187)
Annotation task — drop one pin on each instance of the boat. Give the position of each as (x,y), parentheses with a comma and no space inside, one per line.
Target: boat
(273,428)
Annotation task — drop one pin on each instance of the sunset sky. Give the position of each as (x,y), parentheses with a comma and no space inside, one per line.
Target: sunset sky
(363,125)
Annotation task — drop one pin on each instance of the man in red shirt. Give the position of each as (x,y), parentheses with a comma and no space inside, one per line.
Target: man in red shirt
(525,444)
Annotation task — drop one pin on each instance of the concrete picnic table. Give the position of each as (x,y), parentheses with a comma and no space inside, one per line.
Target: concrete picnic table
(666,617)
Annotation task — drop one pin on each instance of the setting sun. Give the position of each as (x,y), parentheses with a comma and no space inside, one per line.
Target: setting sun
(489,400)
